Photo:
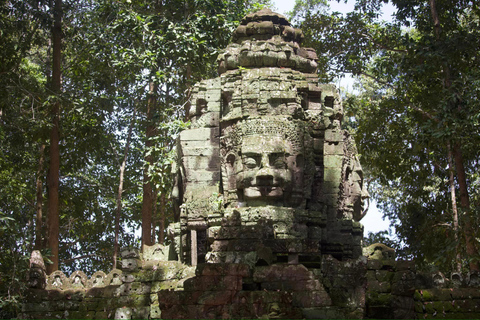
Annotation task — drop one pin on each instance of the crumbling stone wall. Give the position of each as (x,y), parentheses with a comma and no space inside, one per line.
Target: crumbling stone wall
(148,287)
(447,303)
(397,290)
(158,289)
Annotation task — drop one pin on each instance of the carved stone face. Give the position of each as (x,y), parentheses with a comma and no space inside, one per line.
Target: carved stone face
(266,170)
(356,191)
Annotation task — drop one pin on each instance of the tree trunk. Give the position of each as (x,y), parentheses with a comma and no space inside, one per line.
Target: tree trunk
(39,204)
(148,194)
(155,214)
(161,224)
(451,180)
(54,168)
(468,229)
(120,190)
(188,77)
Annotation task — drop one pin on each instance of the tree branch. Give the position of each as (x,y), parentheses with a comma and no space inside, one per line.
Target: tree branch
(381,46)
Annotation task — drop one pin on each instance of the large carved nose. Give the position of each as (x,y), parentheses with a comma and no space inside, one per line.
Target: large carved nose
(365,194)
(265,176)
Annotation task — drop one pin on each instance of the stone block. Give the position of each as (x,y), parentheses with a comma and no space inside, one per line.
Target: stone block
(90,304)
(127,278)
(95,293)
(403,283)
(201,134)
(41,306)
(213,283)
(374,264)
(136,288)
(208,120)
(402,265)
(384,275)
(141,312)
(214,106)
(298,285)
(208,177)
(240,232)
(379,287)
(155,312)
(129,265)
(333,161)
(216,298)
(82,314)
(164,285)
(36,295)
(332,174)
(123,313)
(196,144)
(102,315)
(201,163)
(130,253)
(333,148)
(463,293)
(212,269)
(176,312)
(333,136)
(71,305)
(213,95)
(330,199)
(280,272)
(310,299)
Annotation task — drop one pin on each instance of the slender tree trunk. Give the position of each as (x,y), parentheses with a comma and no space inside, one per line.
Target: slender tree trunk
(148,194)
(188,76)
(161,224)
(155,214)
(451,180)
(120,189)
(54,168)
(39,204)
(468,229)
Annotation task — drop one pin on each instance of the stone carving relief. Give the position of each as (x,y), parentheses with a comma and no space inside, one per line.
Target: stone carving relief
(263,163)
(98,279)
(266,152)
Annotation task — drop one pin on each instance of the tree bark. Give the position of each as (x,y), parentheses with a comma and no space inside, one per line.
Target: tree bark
(468,229)
(161,224)
(120,189)
(188,77)
(148,194)
(39,204)
(155,214)
(451,180)
(54,168)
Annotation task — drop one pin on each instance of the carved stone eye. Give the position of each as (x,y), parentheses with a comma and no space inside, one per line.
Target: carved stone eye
(250,162)
(278,161)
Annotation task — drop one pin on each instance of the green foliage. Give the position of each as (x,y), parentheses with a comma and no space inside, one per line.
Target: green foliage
(305,8)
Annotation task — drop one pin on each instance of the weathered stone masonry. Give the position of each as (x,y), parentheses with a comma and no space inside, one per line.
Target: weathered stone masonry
(375,286)
(269,195)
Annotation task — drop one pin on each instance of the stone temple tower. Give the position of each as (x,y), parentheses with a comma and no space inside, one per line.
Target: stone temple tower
(265,174)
